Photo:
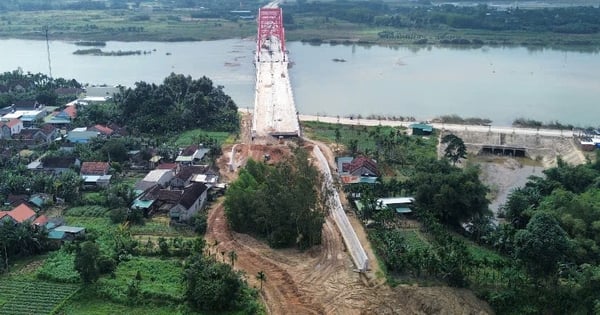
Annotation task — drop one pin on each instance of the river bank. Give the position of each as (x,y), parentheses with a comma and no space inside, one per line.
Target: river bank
(169,26)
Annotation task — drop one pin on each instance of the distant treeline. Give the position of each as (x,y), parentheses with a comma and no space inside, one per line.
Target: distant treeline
(573,20)
(42,5)
(455,119)
(90,43)
(530,123)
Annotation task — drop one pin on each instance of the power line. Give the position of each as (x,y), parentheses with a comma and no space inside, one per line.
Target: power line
(48,51)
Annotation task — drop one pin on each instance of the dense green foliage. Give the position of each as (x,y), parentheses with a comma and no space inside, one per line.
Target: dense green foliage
(17,179)
(20,240)
(20,86)
(452,195)
(559,20)
(214,286)
(59,267)
(552,231)
(279,202)
(180,103)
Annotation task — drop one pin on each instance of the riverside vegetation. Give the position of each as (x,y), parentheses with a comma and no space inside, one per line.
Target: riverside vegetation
(337,22)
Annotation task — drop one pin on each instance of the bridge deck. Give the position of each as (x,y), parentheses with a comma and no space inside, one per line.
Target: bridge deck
(274,108)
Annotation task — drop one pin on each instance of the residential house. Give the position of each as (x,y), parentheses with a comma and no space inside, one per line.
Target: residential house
(421,129)
(192,154)
(62,118)
(40,221)
(14,200)
(52,133)
(357,170)
(40,199)
(66,233)
(38,136)
(184,175)
(145,201)
(59,165)
(28,117)
(210,178)
(95,174)
(14,126)
(167,166)
(155,177)
(192,200)
(103,130)
(81,135)
(20,214)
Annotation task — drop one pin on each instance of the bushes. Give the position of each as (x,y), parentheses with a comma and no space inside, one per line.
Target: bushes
(59,267)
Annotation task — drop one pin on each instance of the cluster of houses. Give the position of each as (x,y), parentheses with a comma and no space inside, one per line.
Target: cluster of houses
(178,189)
(27,123)
(23,213)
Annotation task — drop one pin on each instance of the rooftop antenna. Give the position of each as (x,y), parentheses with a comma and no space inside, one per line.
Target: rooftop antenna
(48,51)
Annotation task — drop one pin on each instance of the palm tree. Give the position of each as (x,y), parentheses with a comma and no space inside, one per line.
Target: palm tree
(262,277)
(232,257)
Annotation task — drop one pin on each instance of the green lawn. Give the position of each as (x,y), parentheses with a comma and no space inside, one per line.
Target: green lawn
(198,135)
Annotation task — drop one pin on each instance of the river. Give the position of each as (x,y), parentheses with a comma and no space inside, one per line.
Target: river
(499,83)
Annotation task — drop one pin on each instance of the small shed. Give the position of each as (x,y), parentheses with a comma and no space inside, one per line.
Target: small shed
(421,129)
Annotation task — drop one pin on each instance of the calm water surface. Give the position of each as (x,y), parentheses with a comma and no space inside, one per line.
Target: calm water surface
(497,83)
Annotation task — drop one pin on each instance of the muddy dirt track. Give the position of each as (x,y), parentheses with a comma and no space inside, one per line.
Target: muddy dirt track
(321,280)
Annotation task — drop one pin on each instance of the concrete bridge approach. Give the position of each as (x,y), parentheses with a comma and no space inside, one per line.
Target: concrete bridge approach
(274,108)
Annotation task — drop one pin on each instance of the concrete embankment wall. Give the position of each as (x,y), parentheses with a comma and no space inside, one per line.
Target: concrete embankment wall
(357,252)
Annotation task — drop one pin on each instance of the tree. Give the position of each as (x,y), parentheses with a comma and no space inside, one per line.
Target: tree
(455,148)
(542,245)
(86,259)
(450,194)
(210,285)
(262,277)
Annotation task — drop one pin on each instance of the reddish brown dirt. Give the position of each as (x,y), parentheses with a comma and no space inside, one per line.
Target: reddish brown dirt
(321,280)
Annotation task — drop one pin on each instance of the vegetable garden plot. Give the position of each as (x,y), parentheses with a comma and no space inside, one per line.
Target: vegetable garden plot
(37,297)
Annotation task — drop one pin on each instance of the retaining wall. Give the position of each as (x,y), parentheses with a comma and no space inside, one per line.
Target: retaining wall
(357,252)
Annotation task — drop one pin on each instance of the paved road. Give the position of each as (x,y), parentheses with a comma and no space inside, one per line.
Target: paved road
(476,128)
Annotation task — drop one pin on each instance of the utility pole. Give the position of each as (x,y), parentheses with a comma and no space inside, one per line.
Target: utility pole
(48,52)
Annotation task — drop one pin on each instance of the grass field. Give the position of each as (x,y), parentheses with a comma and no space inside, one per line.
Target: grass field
(197,135)
(160,280)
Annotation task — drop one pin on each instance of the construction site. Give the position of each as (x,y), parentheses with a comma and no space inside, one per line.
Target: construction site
(340,276)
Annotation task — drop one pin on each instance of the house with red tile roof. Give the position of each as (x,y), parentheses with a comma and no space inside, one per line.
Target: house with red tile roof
(40,221)
(14,126)
(357,170)
(103,130)
(19,214)
(94,168)
(95,173)
(71,111)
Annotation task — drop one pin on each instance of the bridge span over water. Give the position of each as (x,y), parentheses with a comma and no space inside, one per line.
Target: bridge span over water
(274,108)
